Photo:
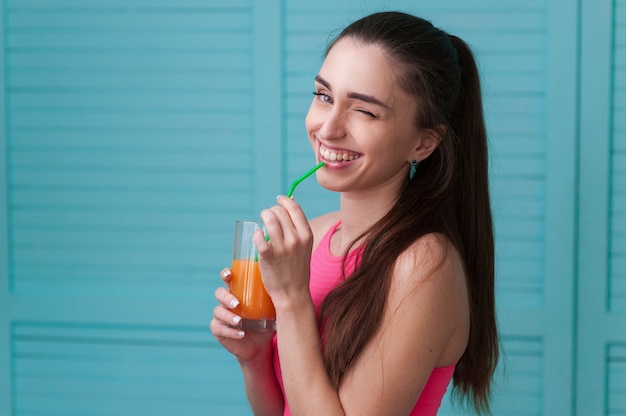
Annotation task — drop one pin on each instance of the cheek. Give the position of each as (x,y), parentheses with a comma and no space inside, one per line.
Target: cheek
(311,122)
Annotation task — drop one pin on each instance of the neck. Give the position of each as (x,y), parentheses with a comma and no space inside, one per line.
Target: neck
(359,211)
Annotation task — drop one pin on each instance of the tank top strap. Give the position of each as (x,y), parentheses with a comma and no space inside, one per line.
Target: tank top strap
(324,246)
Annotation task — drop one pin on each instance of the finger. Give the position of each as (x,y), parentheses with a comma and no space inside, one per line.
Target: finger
(222,331)
(280,231)
(260,241)
(283,215)
(295,212)
(302,233)
(225,298)
(285,222)
(226,274)
(226,316)
(272,225)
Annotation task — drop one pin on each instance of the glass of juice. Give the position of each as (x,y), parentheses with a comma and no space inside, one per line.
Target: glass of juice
(255,306)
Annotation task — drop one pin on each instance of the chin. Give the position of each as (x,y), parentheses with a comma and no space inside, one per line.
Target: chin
(330,185)
(326,183)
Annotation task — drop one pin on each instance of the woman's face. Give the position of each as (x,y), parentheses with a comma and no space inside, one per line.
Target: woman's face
(361,123)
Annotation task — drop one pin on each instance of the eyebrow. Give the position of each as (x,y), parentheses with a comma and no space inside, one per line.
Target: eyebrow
(355,95)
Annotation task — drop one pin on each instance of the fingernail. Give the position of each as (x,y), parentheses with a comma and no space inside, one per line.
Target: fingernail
(234,303)
(240,334)
(236,319)
(226,273)
(278,196)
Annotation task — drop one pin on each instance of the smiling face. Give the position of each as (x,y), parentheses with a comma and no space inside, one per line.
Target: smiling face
(361,123)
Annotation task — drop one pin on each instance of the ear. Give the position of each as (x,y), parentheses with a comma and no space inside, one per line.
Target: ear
(427,142)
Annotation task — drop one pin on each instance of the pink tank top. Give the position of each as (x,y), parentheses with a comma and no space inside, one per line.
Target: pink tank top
(325,276)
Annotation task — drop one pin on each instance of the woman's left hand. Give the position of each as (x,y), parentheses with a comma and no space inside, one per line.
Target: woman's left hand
(285,259)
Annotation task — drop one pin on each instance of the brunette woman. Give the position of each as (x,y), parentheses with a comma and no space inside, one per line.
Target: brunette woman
(381,304)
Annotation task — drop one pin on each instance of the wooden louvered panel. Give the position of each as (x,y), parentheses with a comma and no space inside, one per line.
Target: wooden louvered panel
(121,369)
(617,262)
(128,204)
(518,389)
(616,351)
(124,124)
(602,294)
(616,380)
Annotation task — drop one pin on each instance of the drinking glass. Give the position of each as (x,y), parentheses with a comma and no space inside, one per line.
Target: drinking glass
(255,306)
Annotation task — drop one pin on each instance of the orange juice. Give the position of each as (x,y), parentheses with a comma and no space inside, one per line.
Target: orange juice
(247,286)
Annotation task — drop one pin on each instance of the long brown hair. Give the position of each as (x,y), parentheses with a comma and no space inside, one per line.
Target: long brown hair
(449,195)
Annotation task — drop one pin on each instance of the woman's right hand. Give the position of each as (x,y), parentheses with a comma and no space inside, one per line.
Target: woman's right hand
(245,345)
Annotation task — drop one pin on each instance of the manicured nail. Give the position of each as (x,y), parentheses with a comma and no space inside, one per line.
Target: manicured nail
(240,334)
(234,303)
(236,319)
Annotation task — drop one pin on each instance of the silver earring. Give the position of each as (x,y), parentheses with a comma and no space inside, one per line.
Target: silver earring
(413,168)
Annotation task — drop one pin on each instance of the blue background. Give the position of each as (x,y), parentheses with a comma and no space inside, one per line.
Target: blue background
(135,132)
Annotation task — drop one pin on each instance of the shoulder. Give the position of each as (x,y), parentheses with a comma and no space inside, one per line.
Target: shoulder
(431,257)
(429,280)
(425,325)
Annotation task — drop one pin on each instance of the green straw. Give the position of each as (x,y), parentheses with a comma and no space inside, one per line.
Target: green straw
(293,188)
(303,177)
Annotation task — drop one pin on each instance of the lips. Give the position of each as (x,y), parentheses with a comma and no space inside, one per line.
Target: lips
(335,155)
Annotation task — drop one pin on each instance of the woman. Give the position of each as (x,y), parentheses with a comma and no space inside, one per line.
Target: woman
(381,304)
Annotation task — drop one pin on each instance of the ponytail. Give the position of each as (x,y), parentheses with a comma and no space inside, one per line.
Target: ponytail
(474,371)
(448,196)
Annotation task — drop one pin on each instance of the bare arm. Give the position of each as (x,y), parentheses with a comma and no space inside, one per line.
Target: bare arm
(254,352)
(262,389)
(425,325)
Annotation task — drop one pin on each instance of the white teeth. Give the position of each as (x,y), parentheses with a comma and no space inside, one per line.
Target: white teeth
(334,157)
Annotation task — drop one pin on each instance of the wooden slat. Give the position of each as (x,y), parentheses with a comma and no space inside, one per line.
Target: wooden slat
(5,264)
(115,5)
(130,142)
(616,383)
(518,381)
(617,254)
(120,369)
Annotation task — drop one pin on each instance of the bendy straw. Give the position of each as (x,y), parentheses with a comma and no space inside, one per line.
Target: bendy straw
(303,177)
(293,188)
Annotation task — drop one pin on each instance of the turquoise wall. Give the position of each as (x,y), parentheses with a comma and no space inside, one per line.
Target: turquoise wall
(137,131)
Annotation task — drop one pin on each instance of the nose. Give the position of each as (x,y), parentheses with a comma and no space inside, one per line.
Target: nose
(333,125)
